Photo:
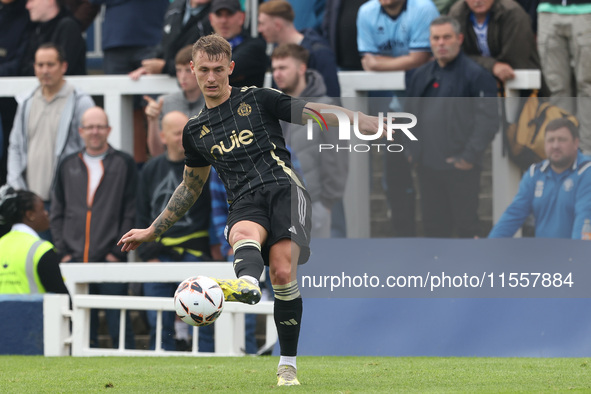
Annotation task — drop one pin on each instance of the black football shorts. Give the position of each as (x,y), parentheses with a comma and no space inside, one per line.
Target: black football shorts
(284,211)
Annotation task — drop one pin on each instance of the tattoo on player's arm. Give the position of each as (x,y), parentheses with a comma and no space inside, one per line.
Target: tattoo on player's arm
(161,224)
(182,199)
(193,180)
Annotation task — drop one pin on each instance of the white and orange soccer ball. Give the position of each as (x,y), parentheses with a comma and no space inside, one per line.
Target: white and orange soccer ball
(199,301)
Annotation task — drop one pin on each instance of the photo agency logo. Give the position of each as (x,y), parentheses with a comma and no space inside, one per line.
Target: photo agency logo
(392,119)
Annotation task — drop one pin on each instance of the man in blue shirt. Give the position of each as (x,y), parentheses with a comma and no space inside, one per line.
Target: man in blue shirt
(557,191)
(393,35)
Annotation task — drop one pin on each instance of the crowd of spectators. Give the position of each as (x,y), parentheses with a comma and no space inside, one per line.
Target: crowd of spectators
(55,129)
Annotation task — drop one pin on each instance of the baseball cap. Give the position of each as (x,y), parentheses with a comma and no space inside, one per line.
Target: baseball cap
(231,5)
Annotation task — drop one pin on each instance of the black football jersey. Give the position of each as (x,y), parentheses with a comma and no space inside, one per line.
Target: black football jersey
(242,139)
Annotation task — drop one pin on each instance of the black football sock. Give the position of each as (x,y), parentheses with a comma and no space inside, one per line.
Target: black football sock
(288,318)
(248,259)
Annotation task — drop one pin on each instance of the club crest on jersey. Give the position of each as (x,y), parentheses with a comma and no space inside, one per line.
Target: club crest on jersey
(539,190)
(245,137)
(244,109)
(204,131)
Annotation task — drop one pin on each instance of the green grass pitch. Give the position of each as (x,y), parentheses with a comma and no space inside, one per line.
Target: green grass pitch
(37,374)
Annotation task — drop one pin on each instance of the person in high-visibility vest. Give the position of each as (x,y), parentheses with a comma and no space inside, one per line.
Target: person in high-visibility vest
(28,264)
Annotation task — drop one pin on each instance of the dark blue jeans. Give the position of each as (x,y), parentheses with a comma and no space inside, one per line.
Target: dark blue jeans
(123,60)
(338,224)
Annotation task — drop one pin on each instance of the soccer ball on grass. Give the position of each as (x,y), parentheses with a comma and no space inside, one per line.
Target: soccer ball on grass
(199,301)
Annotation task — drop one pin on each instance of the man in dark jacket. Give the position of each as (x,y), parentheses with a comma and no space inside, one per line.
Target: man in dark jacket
(55,24)
(276,26)
(491,29)
(339,27)
(14,33)
(93,203)
(184,22)
(83,12)
(325,173)
(131,29)
(452,133)
(249,54)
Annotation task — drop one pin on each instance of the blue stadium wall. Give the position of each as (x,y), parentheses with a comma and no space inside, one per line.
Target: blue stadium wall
(501,322)
(21,324)
(446,327)
(383,321)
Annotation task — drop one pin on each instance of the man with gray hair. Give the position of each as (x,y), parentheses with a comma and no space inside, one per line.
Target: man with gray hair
(453,133)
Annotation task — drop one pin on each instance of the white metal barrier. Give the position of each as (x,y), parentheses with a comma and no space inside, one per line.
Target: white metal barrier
(229,327)
(118,90)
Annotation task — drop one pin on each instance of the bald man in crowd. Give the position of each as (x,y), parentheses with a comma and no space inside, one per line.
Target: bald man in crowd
(92,203)
(187,239)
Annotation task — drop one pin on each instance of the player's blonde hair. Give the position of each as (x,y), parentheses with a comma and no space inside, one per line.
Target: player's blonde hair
(214,46)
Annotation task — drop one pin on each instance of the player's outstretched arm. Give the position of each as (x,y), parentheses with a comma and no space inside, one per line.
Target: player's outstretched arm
(182,199)
(367,124)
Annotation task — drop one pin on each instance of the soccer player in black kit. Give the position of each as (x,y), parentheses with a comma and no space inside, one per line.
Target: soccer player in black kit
(238,132)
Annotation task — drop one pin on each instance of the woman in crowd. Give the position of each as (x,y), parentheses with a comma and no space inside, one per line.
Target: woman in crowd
(28,264)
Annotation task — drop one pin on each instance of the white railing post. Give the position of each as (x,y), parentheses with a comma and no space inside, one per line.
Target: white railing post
(355,84)
(119,108)
(238,325)
(158,339)
(56,325)
(195,340)
(270,332)
(80,329)
(505,174)
(122,328)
